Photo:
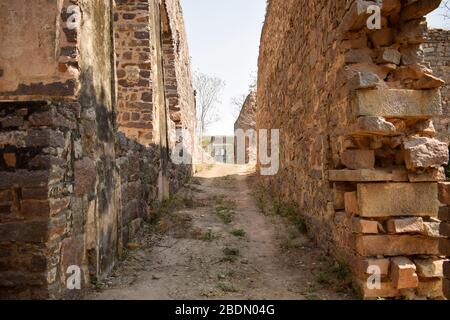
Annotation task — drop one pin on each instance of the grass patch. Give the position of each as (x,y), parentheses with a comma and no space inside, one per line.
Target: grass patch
(238,233)
(313,296)
(210,236)
(335,276)
(224,209)
(269,204)
(226,287)
(125,255)
(96,284)
(288,245)
(231,254)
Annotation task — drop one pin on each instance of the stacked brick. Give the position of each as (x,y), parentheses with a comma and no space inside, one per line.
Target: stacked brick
(389,158)
(444,242)
(358,148)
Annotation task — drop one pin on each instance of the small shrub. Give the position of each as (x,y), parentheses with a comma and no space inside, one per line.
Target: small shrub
(231,254)
(238,233)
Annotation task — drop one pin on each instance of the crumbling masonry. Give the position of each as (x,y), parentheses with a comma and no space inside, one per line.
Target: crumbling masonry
(73,190)
(247,123)
(358,149)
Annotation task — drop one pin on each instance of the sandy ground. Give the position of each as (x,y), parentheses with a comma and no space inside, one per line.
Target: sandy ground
(222,247)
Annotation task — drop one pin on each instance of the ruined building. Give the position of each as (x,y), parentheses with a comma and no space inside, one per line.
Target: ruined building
(354,103)
(94,96)
(247,123)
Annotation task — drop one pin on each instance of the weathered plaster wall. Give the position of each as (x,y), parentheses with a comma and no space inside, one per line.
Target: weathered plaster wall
(354,107)
(45,41)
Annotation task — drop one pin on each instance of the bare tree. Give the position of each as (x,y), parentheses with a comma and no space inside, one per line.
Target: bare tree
(237,103)
(209,89)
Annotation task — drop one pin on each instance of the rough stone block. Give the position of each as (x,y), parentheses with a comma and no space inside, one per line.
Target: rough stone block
(368,175)
(383,37)
(425,152)
(356,16)
(398,103)
(444,192)
(339,189)
(418,9)
(387,290)
(365,226)
(371,125)
(431,175)
(430,288)
(429,268)
(395,245)
(351,203)
(358,159)
(403,273)
(405,225)
(388,55)
(398,199)
(364,80)
(431,229)
(361,266)
(85,176)
(412,32)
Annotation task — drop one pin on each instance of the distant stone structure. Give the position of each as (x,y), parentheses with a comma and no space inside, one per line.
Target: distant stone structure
(437,54)
(246,122)
(93,98)
(358,153)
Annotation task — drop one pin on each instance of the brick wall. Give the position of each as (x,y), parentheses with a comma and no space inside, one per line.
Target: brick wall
(354,107)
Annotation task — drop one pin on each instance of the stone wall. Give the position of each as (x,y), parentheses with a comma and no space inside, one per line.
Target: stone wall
(357,150)
(444,243)
(437,53)
(74,191)
(247,122)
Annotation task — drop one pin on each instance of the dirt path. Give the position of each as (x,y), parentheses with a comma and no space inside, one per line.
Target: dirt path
(223,247)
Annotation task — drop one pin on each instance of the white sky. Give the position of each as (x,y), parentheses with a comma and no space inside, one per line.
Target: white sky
(224,37)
